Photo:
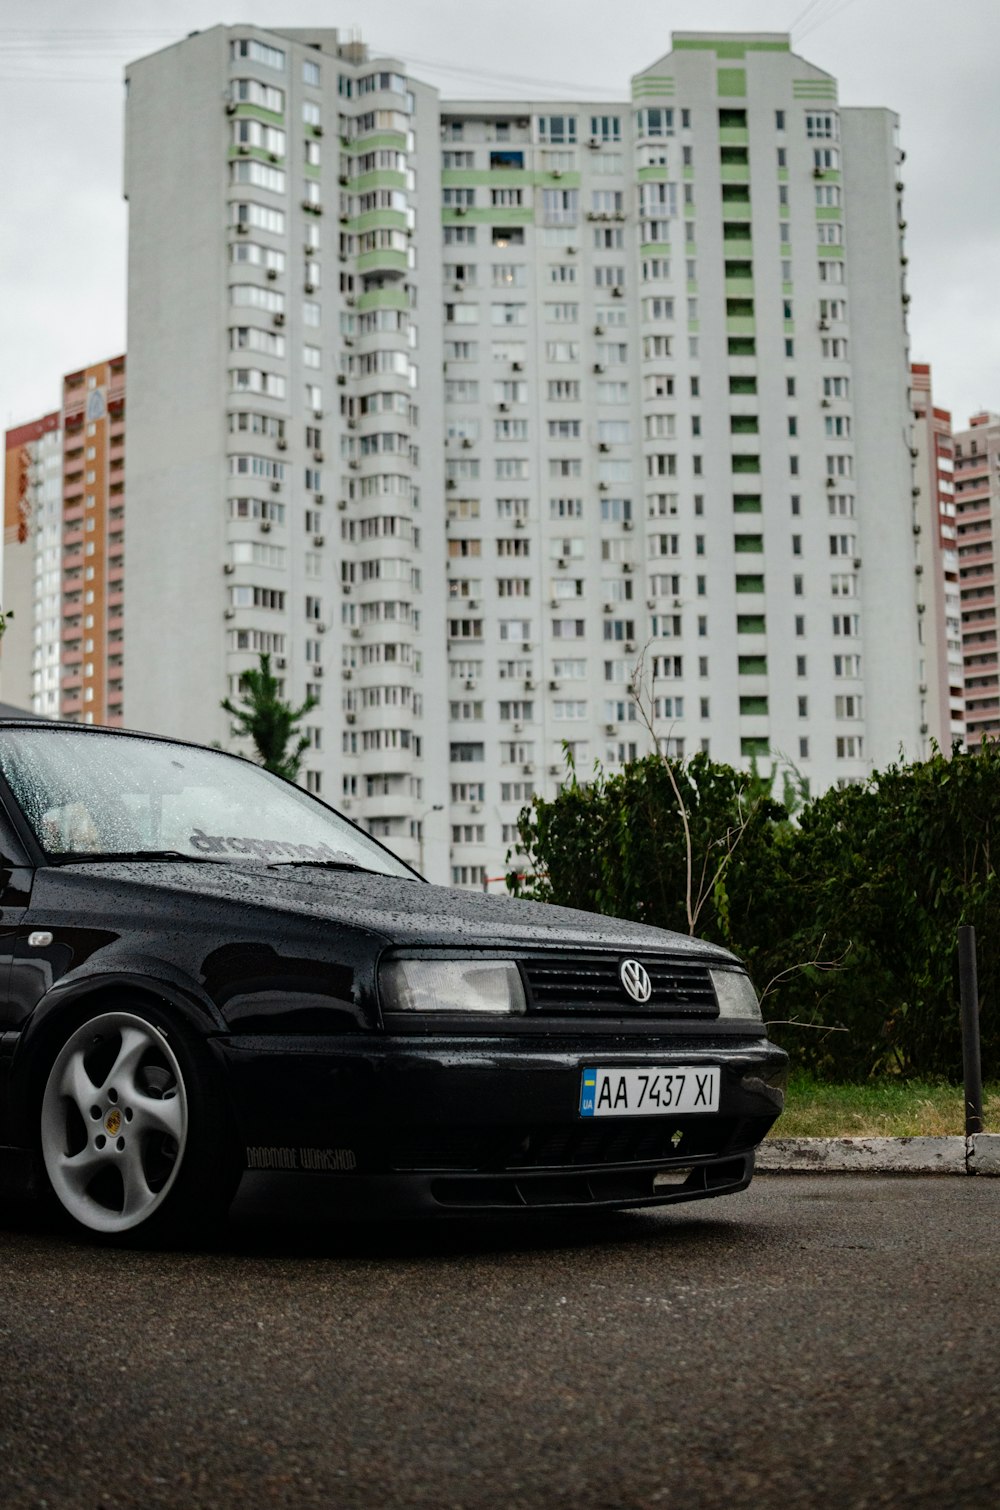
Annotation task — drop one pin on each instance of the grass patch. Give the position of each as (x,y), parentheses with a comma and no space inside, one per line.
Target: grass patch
(884,1108)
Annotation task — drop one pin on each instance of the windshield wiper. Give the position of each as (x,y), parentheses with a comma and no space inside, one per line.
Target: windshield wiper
(75,856)
(323,865)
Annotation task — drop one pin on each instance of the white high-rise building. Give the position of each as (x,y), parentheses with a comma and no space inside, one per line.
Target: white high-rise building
(462,410)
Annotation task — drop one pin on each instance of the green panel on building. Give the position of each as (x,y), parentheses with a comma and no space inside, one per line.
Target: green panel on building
(731,83)
(725,47)
(383,298)
(384,178)
(497,178)
(394,139)
(383,258)
(495,215)
(272,117)
(380,220)
(651,85)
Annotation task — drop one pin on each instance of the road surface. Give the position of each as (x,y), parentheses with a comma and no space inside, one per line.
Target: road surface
(830,1341)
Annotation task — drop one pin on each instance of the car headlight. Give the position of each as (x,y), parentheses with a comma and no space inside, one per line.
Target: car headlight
(452,985)
(736,996)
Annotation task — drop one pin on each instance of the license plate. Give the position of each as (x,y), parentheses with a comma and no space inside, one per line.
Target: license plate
(654,1092)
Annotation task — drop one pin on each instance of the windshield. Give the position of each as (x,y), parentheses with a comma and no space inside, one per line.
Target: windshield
(110,794)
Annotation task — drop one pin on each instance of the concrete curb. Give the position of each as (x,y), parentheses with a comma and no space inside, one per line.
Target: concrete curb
(979,1154)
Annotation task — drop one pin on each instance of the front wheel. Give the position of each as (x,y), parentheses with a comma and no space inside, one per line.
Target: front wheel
(132,1141)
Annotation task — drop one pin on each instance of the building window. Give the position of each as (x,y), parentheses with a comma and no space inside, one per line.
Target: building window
(822,126)
(257,52)
(557,128)
(253,92)
(606,128)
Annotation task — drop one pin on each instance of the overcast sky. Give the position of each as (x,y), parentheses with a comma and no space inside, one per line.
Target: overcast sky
(63,223)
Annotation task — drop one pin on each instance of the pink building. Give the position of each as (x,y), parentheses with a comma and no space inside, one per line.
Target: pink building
(942,681)
(977,507)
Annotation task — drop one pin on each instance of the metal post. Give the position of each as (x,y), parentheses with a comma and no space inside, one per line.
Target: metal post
(437,808)
(971,1065)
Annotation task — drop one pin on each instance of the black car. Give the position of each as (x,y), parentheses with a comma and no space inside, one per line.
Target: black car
(210,972)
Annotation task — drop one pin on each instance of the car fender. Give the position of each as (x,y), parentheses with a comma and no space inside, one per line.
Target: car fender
(69,999)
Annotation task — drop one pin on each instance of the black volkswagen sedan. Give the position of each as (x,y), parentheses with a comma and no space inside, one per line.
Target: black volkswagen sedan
(210,972)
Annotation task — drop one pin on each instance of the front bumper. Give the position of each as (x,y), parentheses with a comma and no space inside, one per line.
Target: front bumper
(462,1124)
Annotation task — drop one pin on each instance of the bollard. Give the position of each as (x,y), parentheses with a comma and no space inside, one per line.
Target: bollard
(971,1065)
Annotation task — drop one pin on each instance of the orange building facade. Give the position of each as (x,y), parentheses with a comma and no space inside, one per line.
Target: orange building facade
(64,552)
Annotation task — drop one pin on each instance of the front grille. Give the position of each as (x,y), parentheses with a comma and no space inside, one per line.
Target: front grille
(681,988)
(494,1150)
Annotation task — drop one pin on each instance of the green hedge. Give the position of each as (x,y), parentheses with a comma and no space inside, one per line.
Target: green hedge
(844,906)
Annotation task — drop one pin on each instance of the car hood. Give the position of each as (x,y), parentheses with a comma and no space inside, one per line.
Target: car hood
(402,912)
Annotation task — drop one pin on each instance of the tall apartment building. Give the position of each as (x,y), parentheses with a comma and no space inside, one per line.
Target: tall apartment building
(461,410)
(934,528)
(63,570)
(977,509)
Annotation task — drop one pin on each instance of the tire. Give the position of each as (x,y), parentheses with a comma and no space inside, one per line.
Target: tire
(136,1147)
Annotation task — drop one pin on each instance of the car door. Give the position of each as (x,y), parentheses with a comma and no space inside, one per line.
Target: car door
(15,893)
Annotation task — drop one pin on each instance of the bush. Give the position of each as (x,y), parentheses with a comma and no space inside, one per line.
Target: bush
(846,912)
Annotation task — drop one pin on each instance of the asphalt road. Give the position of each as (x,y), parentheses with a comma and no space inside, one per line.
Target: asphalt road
(829,1341)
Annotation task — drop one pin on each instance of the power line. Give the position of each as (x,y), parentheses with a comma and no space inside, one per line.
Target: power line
(821,20)
(36,78)
(802,14)
(95,45)
(503,78)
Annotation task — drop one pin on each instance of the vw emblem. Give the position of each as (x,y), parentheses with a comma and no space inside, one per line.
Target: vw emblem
(635,980)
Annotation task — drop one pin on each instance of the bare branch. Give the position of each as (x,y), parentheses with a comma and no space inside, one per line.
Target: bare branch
(796,1022)
(809,964)
(693,902)
(635,687)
